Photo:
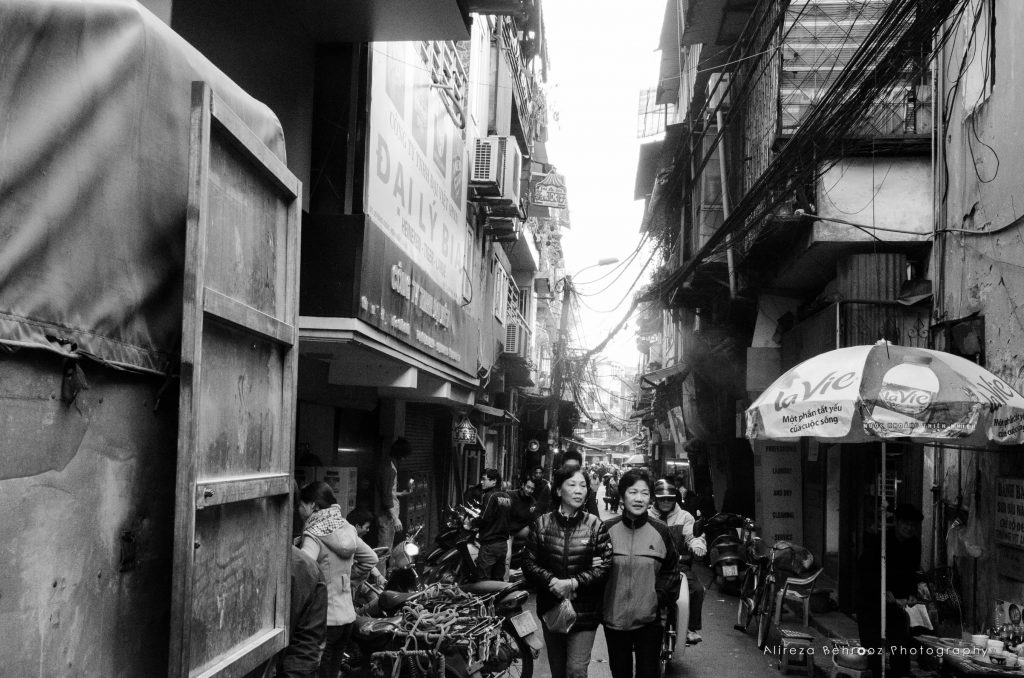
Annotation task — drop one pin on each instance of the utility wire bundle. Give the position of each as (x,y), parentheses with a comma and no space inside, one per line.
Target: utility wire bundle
(906,30)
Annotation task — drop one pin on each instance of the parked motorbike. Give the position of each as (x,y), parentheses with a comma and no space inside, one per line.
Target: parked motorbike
(727,533)
(453,559)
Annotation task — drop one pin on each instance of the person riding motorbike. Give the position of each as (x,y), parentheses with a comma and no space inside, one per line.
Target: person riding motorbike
(668,509)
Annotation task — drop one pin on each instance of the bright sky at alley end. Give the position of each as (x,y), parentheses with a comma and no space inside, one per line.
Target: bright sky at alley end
(602,54)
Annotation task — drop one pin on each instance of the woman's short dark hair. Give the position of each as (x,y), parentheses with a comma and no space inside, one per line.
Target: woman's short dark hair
(563,474)
(631,478)
(492,474)
(319,494)
(573,454)
(359,516)
(400,449)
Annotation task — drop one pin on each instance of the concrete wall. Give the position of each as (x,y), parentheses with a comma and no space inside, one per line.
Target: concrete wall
(87,496)
(891,193)
(267,51)
(981,272)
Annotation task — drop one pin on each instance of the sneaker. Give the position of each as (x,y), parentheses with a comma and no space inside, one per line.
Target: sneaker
(692,638)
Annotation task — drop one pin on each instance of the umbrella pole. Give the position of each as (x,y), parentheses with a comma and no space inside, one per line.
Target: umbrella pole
(885,509)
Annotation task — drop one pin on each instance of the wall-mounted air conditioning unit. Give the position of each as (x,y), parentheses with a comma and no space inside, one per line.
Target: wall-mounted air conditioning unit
(496,173)
(515,337)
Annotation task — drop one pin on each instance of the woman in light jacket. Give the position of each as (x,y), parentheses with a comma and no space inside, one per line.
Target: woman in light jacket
(567,556)
(345,561)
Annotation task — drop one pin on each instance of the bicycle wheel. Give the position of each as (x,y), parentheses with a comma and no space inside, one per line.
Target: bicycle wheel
(668,646)
(748,595)
(765,613)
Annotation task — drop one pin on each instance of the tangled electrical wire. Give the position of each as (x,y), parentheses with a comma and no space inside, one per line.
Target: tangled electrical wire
(885,56)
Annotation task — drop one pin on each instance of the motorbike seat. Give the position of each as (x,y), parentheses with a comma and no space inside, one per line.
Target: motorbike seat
(486,587)
(392,600)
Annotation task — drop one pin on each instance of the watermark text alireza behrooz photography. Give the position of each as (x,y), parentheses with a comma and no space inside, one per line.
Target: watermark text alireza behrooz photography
(925,651)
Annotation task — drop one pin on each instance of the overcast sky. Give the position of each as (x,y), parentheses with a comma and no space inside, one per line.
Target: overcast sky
(602,54)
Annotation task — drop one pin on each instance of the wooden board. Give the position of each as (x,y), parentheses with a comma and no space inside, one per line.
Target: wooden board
(233,507)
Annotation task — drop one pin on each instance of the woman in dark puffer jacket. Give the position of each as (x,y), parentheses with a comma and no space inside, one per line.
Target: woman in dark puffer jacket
(567,556)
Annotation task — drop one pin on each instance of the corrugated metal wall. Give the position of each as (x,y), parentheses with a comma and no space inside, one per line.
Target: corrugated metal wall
(421,505)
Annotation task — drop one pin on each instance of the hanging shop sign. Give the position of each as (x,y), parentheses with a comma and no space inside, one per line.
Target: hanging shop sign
(549,190)
(1010,512)
(464,432)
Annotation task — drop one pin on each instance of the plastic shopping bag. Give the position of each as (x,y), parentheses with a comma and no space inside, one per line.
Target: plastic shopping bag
(561,617)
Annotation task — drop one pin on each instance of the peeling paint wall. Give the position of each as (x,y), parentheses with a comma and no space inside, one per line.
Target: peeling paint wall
(982,271)
(87,495)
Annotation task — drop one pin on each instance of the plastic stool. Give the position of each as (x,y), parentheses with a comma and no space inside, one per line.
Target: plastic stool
(839,670)
(795,656)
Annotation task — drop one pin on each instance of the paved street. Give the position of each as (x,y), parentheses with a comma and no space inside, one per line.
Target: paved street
(724,651)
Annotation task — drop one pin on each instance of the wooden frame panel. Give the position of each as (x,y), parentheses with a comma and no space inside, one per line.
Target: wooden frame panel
(215,500)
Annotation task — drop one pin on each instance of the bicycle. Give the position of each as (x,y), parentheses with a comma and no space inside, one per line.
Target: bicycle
(757,595)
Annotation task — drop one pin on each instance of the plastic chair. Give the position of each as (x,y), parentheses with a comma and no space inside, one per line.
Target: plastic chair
(798,590)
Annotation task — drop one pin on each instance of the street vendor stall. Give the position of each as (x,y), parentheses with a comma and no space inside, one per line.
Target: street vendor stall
(884,392)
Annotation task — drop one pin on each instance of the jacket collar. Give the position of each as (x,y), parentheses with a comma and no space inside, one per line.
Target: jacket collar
(569,521)
(665,518)
(634,523)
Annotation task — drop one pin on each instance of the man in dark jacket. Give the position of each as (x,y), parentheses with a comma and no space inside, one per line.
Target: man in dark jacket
(495,524)
(524,506)
(541,489)
(307,620)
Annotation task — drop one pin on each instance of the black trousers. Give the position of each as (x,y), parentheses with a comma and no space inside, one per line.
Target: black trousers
(644,642)
(490,562)
(897,636)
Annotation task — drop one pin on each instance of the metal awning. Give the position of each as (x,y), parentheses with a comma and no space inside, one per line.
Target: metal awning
(496,412)
(657,376)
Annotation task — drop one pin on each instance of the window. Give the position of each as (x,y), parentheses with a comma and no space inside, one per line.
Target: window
(977,42)
(501,292)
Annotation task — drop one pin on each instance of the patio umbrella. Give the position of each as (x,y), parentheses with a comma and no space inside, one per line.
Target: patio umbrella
(882,392)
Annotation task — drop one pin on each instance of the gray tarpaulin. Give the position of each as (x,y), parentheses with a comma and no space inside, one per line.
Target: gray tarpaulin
(95,101)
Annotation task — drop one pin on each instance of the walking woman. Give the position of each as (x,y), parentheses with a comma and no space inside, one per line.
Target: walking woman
(567,556)
(345,561)
(644,579)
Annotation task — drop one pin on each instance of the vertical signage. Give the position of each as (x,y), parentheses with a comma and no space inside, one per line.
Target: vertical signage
(415,175)
(779,478)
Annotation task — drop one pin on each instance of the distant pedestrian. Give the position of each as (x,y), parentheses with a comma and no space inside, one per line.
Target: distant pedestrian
(389,497)
(345,561)
(541,489)
(644,579)
(567,556)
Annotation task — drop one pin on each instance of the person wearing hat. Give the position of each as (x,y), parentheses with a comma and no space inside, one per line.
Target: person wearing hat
(668,509)
(904,586)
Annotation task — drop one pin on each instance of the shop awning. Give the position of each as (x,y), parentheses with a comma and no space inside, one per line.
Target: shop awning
(657,376)
(496,412)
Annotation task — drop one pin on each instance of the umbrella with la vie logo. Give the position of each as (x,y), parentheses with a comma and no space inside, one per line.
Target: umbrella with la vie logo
(882,392)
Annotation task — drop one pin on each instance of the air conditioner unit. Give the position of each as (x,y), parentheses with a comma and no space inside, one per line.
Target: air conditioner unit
(515,337)
(496,174)
(503,229)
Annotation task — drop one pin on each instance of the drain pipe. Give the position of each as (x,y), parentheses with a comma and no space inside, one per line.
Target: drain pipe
(730,261)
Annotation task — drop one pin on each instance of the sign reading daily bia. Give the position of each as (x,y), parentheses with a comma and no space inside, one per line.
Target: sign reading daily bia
(415,238)
(415,175)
